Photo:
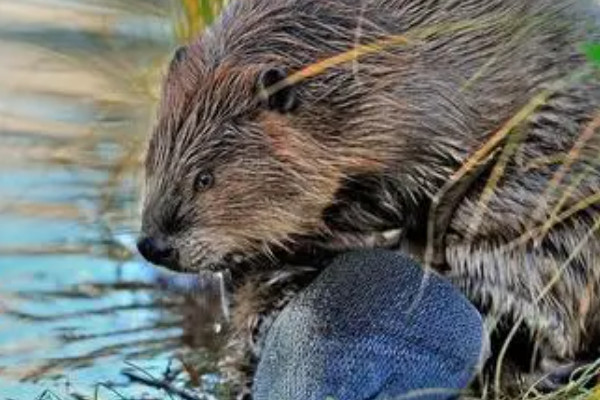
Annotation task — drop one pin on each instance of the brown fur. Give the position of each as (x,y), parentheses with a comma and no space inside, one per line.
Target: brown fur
(372,141)
(257,302)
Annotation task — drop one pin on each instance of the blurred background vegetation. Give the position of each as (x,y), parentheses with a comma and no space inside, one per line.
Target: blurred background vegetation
(81,316)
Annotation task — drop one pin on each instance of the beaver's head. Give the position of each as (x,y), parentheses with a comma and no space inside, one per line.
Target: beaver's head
(234,168)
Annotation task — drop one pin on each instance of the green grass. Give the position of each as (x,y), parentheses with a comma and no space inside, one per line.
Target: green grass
(195,15)
(592,52)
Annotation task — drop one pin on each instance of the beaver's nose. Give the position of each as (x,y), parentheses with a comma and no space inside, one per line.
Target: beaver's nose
(157,251)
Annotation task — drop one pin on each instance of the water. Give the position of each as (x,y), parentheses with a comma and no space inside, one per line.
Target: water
(80,313)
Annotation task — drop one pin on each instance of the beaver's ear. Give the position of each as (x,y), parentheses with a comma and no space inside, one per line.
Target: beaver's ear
(179,55)
(275,93)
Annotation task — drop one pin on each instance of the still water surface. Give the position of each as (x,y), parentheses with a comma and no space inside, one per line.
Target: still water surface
(80,313)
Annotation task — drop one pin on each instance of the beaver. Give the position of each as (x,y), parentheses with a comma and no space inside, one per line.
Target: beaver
(467,128)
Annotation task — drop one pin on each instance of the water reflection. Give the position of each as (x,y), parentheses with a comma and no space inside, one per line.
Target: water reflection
(80,315)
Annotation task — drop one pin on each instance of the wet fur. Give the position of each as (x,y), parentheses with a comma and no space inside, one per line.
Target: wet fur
(372,141)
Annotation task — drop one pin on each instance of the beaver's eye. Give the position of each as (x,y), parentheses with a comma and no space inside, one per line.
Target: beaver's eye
(204,181)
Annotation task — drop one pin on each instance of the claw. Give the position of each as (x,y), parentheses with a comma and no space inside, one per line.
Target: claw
(556,374)
(244,395)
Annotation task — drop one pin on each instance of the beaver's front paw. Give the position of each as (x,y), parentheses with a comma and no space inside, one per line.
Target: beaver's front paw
(244,394)
(555,374)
